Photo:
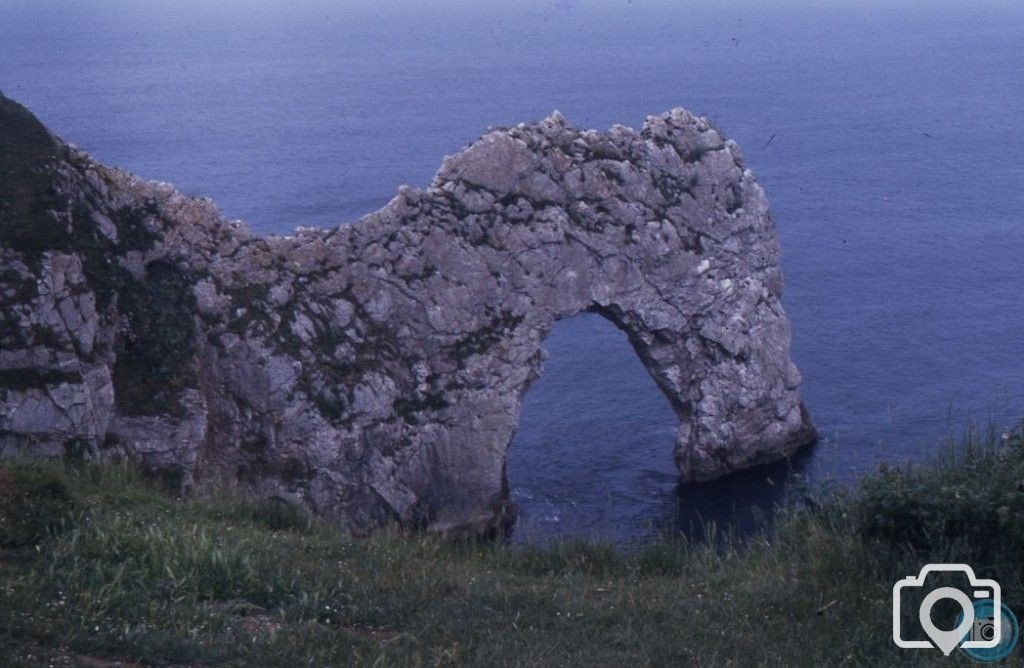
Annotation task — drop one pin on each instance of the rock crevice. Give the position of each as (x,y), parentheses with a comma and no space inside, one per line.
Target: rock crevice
(374,372)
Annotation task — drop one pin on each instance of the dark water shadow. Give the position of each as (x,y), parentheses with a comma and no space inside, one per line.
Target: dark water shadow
(740,504)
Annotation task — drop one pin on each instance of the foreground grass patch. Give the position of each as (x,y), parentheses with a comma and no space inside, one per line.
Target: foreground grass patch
(115,571)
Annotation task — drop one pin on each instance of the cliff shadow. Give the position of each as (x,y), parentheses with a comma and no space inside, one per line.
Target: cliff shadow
(739,504)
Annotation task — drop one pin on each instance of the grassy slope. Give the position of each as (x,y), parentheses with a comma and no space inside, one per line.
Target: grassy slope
(108,568)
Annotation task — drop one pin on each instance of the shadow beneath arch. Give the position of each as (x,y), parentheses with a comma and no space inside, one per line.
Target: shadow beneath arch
(741,503)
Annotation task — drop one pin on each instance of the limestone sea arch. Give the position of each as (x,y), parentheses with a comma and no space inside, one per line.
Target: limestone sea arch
(374,372)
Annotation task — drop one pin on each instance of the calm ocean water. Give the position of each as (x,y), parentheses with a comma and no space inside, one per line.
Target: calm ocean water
(895,174)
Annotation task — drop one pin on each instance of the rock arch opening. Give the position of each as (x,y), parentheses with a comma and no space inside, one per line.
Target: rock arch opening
(593,452)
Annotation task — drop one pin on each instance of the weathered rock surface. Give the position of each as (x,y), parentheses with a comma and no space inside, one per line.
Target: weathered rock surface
(375,372)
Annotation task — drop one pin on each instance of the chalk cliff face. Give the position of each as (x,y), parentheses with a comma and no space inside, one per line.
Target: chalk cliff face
(375,372)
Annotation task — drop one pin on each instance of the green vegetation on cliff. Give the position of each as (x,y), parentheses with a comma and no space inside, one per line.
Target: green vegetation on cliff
(98,566)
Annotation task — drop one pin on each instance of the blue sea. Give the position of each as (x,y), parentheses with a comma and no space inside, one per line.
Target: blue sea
(887,135)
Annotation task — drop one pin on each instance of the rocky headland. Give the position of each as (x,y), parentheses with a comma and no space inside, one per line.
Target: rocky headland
(374,373)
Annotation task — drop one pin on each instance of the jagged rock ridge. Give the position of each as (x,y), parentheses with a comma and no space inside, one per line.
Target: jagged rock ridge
(375,372)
